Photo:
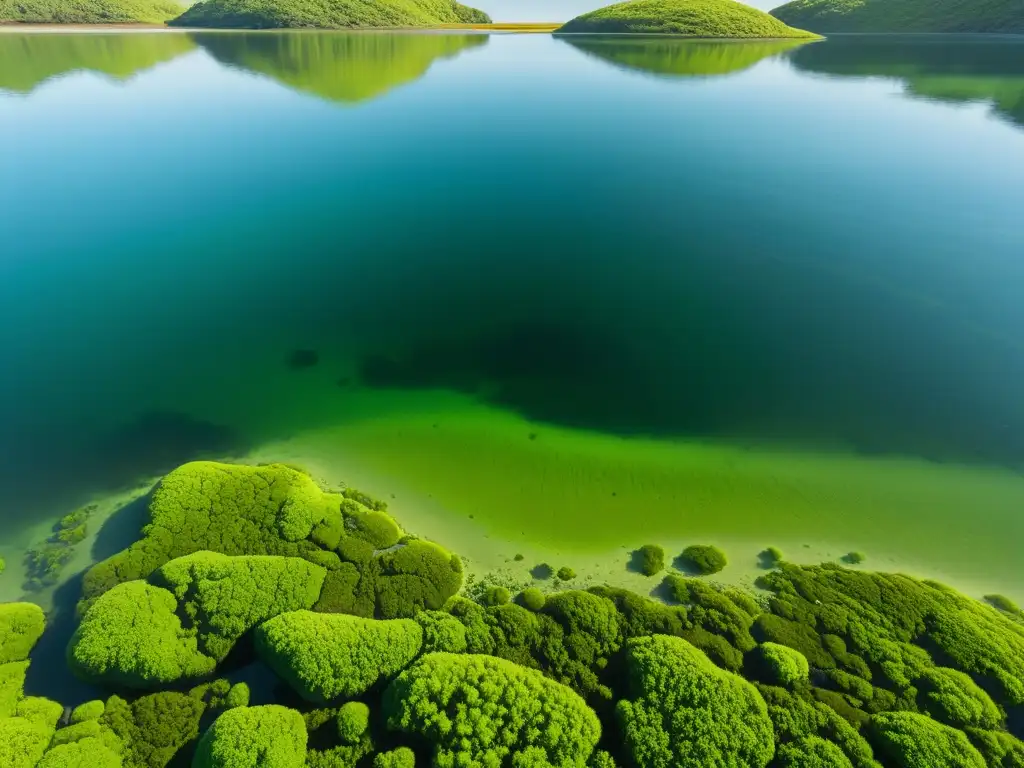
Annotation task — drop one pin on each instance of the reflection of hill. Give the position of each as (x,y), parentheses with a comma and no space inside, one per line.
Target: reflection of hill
(665,56)
(26,61)
(337,66)
(968,69)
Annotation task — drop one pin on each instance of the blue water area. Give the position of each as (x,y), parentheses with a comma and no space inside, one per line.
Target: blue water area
(816,245)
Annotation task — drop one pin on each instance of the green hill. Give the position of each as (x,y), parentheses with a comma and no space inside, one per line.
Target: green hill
(680,58)
(88,11)
(339,67)
(1003,16)
(692,18)
(974,70)
(26,61)
(332,14)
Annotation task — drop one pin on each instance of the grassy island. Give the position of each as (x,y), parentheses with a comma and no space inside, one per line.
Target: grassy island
(341,14)
(88,11)
(718,19)
(996,16)
(359,646)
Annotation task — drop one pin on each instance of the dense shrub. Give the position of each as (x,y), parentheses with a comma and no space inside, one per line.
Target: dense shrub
(326,656)
(225,597)
(704,558)
(785,666)
(254,737)
(237,696)
(442,632)
(854,558)
(353,721)
(954,698)
(685,711)
(811,752)
(565,573)
(86,753)
(154,727)
(21,626)
(480,710)
(402,757)
(22,742)
(495,596)
(90,710)
(650,559)
(132,636)
(532,599)
(910,740)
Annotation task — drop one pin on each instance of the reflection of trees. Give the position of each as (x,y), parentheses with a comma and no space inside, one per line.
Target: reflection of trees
(347,67)
(679,57)
(26,61)
(966,69)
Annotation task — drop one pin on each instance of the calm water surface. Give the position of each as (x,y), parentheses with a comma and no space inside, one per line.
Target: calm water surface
(817,248)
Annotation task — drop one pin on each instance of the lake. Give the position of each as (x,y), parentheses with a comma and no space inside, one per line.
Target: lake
(552,296)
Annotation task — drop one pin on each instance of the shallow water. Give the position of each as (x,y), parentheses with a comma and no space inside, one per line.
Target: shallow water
(775,287)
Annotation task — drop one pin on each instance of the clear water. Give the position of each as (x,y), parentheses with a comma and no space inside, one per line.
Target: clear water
(619,247)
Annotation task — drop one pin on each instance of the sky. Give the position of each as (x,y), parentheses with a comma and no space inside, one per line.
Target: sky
(557,10)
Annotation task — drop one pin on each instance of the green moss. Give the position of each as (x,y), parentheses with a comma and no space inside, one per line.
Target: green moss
(704,558)
(682,707)
(692,18)
(442,632)
(461,703)
(785,666)
(87,729)
(415,576)
(237,696)
(811,752)
(402,757)
(771,556)
(246,14)
(89,11)
(650,559)
(153,728)
(532,599)
(225,597)
(327,656)
(910,740)
(254,737)
(22,743)
(353,721)
(854,558)
(86,753)
(90,710)
(954,698)
(1003,603)
(823,16)
(133,636)
(565,573)
(21,626)
(12,685)
(998,748)
(495,596)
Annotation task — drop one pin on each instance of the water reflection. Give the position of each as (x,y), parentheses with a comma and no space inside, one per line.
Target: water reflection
(346,67)
(681,58)
(27,61)
(943,68)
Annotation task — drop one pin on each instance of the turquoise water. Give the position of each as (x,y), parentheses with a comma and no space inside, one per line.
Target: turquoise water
(817,247)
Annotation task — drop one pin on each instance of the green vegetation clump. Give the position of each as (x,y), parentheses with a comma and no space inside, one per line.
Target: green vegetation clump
(90,710)
(686,711)
(344,14)
(3,564)
(532,599)
(442,632)
(691,18)
(270,736)
(327,656)
(785,666)
(954,698)
(153,729)
(771,556)
(1003,603)
(237,696)
(480,710)
(704,558)
(353,721)
(854,558)
(86,753)
(21,626)
(565,573)
(888,16)
(650,559)
(402,757)
(495,596)
(910,740)
(278,510)
(133,636)
(88,11)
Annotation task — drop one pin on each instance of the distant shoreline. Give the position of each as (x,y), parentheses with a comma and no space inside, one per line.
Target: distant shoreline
(18,27)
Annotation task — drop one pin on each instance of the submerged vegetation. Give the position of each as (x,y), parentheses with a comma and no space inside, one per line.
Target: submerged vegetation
(691,18)
(340,14)
(1000,16)
(379,660)
(89,11)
